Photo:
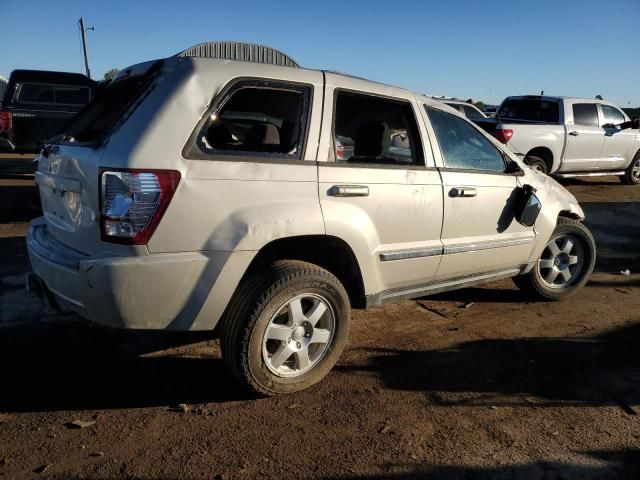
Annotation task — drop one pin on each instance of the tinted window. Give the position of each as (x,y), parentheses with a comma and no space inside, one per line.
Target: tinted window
(585,114)
(534,110)
(36,93)
(462,146)
(375,130)
(70,95)
(259,119)
(109,106)
(612,115)
(471,112)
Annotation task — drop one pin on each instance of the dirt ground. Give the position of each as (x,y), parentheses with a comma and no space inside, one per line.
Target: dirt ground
(499,389)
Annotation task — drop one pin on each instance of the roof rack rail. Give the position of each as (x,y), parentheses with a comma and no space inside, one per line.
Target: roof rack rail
(244,52)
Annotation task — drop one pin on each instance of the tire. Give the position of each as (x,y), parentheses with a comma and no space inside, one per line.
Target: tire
(632,174)
(536,163)
(271,318)
(537,284)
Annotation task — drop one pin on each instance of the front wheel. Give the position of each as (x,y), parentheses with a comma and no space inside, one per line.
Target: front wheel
(564,265)
(632,173)
(285,327)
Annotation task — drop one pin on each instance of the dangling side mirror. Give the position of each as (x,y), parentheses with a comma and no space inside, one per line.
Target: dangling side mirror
(529,207)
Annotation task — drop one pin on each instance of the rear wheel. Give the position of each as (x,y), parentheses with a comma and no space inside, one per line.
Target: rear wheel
(632,174)
(537,164)
(285,328)
(564,265)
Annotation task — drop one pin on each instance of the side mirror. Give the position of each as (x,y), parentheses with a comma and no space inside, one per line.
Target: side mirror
(529,208)
(608,125)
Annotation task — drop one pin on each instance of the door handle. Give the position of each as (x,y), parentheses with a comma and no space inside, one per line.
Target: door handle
(463,192)
(349,191)
(574,133)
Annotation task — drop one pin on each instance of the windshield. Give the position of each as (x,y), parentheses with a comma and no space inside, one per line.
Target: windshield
(534,110)
(112,101)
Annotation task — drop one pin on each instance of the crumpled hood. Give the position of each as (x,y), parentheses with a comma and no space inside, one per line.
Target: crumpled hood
(555,191)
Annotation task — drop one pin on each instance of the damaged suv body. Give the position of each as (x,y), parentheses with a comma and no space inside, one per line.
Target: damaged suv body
(197,193)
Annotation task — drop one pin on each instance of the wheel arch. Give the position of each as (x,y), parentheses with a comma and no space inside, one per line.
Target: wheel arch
(545,154)
(326,251)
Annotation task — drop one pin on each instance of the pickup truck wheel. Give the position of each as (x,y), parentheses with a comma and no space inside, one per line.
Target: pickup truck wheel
(285,328)
(565,264)
(536,163)
(632,174)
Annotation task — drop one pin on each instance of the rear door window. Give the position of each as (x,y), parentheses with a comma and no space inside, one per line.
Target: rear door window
(375,130)
(585,114)
(257,118)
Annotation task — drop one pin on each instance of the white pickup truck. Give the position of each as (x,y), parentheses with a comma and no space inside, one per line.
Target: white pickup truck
(569,137)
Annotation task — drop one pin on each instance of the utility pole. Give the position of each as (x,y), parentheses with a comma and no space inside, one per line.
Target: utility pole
(83,31)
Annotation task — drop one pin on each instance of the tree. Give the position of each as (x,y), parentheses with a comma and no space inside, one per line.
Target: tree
(111,74)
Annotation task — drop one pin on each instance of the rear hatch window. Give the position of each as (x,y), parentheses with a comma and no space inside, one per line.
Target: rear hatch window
(530,109)
(111,104)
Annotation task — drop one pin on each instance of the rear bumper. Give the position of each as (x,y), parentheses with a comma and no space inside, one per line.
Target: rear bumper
(172,291)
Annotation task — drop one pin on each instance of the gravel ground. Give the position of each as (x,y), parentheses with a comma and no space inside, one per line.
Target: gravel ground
(500,389)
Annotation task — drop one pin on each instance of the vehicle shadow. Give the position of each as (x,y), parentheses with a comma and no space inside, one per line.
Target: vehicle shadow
(618,464)
(19,203)
(616,230)
(14,258)
(541,372)
(76,365)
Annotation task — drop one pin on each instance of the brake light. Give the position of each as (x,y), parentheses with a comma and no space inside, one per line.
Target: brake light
(5,120)
(132,203)
(503,135)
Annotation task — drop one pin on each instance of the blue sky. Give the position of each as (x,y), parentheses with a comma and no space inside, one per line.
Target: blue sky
(481,49)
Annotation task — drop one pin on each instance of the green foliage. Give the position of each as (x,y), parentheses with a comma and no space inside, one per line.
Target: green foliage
(110,75)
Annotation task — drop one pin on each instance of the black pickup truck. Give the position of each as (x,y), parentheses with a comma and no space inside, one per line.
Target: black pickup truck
(37,104)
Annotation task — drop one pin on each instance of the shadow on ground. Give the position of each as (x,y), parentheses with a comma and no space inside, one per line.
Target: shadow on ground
(619,464)
(582,371)
(19,203)
(75,365)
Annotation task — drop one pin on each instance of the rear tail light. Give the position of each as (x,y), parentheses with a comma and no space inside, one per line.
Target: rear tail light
(5,120)
(503,135)
(132,203)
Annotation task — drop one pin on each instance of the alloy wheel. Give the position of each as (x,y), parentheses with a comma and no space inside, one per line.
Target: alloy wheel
(298,335)
(561,261)
(635,170)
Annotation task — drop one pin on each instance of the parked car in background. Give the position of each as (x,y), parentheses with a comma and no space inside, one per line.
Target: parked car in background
(3,88)
(158,216)
(490,110)
(37,104)
(569,137)
(467,109)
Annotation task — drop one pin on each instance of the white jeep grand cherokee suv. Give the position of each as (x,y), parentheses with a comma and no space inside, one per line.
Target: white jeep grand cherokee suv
(198,192)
